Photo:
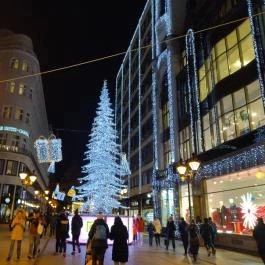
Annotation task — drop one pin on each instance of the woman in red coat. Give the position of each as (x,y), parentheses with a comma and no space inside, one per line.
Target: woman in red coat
(140,229)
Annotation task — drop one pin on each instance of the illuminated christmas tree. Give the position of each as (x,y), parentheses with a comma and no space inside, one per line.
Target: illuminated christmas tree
(101,184)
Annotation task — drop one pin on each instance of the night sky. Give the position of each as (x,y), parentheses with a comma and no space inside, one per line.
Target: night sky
(69,32)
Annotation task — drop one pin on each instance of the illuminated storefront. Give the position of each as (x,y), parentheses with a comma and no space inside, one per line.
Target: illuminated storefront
(184,202)
(236,200)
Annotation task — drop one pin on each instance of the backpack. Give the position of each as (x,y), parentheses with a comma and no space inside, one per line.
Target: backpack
(100,233)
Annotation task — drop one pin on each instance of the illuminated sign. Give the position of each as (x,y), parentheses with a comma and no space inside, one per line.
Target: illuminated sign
(57,195)
(14,129)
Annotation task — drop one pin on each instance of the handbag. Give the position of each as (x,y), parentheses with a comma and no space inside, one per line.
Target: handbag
(40,229)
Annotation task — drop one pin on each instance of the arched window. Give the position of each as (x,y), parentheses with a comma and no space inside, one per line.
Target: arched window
(25,66)
(22,89)
(14,64)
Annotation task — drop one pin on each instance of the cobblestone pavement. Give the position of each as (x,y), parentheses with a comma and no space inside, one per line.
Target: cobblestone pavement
(138,255)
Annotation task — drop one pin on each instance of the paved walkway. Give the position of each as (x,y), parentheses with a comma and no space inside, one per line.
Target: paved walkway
(144,255)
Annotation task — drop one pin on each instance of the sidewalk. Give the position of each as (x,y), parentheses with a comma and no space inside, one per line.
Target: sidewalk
(144,255)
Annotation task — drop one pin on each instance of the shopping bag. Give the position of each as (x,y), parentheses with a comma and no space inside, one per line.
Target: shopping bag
(88,260)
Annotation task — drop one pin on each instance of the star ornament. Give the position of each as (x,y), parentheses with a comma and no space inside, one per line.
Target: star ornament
(249,211)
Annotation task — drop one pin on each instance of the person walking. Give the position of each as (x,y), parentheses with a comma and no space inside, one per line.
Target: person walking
(98,234)
(214,232)
(150,229)
(53,221)
(171,228)
(134,230)
(63,233)
(17,232)
(194,240)
(34,235)
(77,224)
(206,233)
(157,231)
(259,236)
(183,229)
(140,229)
(119,234)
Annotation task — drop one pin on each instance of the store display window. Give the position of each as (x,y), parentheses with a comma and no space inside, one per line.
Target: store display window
(235,201)
(167,205)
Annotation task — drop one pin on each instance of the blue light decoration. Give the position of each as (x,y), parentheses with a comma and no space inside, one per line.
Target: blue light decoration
(192,79)
(57,195)
(41,145)
(121,88)
(55,152)
(246,159)
(139,108)
(129,122)
(257,50)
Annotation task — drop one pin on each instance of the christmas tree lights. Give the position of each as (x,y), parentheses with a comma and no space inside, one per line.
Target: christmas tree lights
(101,183)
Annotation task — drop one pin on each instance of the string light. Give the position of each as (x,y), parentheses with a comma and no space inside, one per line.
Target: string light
(123,53)
(41,146)
(258,54)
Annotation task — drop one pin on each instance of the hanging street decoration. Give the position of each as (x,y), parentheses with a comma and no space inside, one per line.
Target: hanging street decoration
(71,192)
(49,151)
(57,195)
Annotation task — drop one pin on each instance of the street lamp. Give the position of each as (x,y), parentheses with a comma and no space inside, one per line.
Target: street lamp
(27,179)
(186,171)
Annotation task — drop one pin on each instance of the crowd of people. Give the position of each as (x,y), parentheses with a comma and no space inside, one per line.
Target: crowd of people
(193,235)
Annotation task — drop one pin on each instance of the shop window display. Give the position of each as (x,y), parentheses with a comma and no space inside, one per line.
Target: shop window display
(235,201)
(184,201)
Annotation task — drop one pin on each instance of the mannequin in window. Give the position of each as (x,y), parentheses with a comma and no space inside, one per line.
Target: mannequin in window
(233,210)
(222,213)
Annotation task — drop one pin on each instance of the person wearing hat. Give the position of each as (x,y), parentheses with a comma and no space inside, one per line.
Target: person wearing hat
(259,236)
(98,235)
(77,224)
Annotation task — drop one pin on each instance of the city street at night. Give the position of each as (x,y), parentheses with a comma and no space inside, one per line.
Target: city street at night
(137,255)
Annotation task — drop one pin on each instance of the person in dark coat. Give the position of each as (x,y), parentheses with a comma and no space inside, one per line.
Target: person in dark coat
(62,233)
(98,246)
(119,234)
(183,229)
(77,224)
(171,228)
(150,229)
(206,232)
(194,240)
(259,236)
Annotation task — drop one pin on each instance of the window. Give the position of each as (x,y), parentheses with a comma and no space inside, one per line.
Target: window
(11,87)
(167,154)
(23,144)
(7,111)
(165,116)
(2,164)
(11,167)
(22,89)
(15,142)
(3,139)
(27,118)
(25,66)
(19,114)
(14,64)
(225,196)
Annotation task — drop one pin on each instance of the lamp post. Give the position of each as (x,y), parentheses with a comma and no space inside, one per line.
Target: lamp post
(27,179)
(186,171)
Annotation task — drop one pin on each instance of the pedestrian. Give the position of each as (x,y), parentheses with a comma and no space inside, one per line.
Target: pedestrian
(53,220)
(171,228)
(214,232)
(150,229)
(17,232)
(183,229)
(63,233)
(119,234)
(98,234)
(157,230)
(134,230)
(34,234)
(259,236)
(206,233)
(140,229)
(77,224)
(194,240)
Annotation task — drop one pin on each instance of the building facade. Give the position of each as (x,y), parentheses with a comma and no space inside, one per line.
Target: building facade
(204,79)
(22,120)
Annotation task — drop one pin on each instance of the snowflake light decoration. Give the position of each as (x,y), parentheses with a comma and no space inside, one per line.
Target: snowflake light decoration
(249,210)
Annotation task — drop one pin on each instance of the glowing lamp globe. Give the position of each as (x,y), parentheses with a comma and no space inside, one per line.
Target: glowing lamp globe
(260,175)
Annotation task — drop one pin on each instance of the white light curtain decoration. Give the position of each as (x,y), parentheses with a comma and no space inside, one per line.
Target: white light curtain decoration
(49,151)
